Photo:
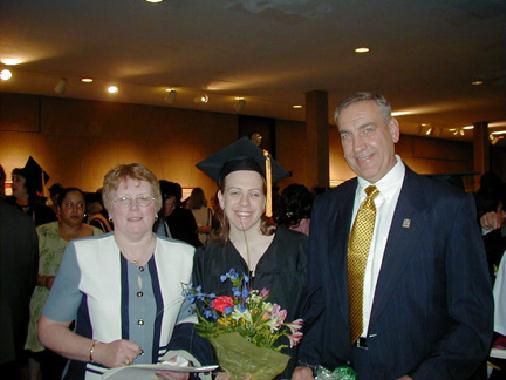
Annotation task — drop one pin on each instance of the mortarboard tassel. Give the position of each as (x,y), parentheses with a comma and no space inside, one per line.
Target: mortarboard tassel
(268,179)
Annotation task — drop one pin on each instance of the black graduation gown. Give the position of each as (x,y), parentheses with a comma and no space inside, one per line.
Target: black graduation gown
(281,269)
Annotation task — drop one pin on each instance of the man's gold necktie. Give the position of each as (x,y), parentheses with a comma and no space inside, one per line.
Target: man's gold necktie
(358,251)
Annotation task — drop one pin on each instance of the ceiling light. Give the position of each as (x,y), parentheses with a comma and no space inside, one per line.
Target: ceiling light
(401,113)
(170,96)
(61,87)
(469,127)
(297,106)
(112,89)
(362,50)
(86,80)
(10,61)
(5,74)
(498,133)
(477,83)
(202,98)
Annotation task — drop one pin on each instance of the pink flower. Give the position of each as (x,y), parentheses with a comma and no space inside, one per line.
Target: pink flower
(278,314)
(295,338)
(221,303)
(264,293)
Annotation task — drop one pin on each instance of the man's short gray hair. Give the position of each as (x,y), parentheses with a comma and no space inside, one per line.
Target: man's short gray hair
(380,100)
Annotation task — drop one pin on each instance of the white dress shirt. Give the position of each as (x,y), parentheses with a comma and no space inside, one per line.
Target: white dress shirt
(389,188)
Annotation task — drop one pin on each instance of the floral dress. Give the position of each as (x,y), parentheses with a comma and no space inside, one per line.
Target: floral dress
(51,248)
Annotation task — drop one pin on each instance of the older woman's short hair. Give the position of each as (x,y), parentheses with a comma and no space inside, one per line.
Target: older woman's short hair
(133,171)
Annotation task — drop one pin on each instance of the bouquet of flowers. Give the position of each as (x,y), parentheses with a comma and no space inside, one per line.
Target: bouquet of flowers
(245,329)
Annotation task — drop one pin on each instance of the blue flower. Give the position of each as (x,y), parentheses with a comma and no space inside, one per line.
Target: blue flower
(245,292)
(233,274)
(223,278)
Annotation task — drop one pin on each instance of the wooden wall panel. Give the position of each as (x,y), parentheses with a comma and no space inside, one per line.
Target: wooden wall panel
(78,141)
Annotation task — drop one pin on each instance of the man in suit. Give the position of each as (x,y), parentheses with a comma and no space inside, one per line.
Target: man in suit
(18,268)
(425,302)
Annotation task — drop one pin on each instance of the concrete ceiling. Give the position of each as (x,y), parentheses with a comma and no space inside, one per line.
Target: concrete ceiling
(423,56)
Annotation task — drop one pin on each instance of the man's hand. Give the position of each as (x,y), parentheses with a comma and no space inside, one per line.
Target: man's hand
(492,220)
(302,373)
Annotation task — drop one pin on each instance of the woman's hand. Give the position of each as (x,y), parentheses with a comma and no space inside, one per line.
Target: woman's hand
(118,353)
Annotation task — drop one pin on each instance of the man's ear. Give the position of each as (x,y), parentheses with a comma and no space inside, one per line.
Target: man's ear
(393,127)
(221,200)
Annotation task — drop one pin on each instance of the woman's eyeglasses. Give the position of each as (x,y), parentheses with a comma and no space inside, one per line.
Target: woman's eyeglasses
(140,201)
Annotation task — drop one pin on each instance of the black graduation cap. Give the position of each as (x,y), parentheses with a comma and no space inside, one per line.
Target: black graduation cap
(242,154)
(36,178)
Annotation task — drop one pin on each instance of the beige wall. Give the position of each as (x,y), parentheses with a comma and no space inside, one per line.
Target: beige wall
(78,141)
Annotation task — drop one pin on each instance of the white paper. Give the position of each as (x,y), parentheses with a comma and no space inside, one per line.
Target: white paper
(148,371)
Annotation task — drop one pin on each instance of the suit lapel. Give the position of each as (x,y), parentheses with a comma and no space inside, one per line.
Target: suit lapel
(339,229)
(406,229)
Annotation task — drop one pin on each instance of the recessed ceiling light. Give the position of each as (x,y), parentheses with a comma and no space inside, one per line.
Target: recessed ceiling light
(202,98)
(10,61)
(239,98)
(477,82)
(86,80)
(297,106)
(5,74)
(112,89)
(362,50)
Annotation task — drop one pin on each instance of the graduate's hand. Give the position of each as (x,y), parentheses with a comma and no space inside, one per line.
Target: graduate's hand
(302,373)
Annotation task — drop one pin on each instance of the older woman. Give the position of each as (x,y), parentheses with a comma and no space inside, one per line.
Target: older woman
(275,259)
(53,238)
(125,290)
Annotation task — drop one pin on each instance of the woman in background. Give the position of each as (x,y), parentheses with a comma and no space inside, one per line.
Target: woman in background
(295,209)
(53,238)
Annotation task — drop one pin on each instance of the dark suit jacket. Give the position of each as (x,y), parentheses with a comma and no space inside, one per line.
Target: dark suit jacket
(18,268)
(432,311)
